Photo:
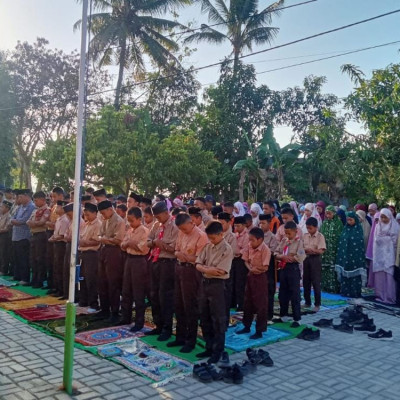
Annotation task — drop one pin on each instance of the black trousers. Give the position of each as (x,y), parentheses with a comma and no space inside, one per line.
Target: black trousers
(66,268)
(134,289)
(58,266)
(239,282)
(312,268)
(271,287)
(228,289)
(162,293)
(88,293)
(213,314)
(187,288)
(38,257)
(5,253)
(49,260)
(21,258)
(289,290)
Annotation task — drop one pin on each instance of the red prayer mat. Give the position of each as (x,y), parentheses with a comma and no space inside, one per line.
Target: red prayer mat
(8,294)
(47,313)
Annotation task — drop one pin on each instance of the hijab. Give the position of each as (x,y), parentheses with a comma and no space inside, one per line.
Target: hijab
(323,206)
(241,210)
(343,207)
(293,204)
(331,229)
(258,210)
(314,213)
(342,215)
(370,248)
(365,226)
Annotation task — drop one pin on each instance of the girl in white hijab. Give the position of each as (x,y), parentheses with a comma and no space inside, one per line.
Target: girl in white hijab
(365,226)
(384,257)
(309,211)
(255,211)
(238,209)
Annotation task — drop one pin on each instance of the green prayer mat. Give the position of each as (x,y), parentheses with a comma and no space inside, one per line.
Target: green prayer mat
(27,289)
(285,327)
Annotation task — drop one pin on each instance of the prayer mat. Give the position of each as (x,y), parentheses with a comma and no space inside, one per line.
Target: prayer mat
(30,290)
(292,332)
(31,302)
(6,282)
(378,306)
(44,312)
(159,367)
(108,335)
(8,294)
(242,342)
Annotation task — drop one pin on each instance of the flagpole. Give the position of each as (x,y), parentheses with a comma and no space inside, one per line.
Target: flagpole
(71,310)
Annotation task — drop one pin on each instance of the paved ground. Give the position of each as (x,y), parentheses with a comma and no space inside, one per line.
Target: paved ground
(338,366)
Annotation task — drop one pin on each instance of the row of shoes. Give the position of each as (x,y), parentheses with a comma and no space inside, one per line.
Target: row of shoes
(309,334)
(354,319)
(207,372)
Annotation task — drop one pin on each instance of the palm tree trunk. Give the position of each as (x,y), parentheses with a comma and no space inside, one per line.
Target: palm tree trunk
(236,54)
(122,61)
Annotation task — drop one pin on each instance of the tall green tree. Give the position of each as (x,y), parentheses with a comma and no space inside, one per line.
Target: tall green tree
(124,31)
(241,24)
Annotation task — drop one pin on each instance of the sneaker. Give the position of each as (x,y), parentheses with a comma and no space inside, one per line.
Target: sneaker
(233,375)
(366,327)
(381,335)
(243,331)
(186,349)
(201,374)
(204,354)
(343,327)
(266,360)
(354,318)
(257,335)
(247,367)
(312,335)
(214,359)
(351,310)
(176,343)
(215,375)
(224,361)
(253,356)
(164,336)
(153,332)
(323,323)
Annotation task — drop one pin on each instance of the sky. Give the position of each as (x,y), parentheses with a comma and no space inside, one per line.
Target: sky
(25,20)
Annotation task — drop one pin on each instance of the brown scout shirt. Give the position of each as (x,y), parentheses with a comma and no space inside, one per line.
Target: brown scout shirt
(169,237)
(296,248)
(270,241)
(113,228)
(280,234)
(257,258)
(90,231)
(218,256)
(191,244)
(242,241)
(41,214)
(139,237)
(205,216)
(230,238)
(5,222)
(314,242)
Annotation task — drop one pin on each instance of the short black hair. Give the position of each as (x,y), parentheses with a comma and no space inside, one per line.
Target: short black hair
(287,211)
(122,198)
(39,195)
(312,222)
(214,228)
(177,210)
(58,190)
(202,199)
(224,216)
(239,220)
(89,190)
(161,197)
(148,210)
(122,207)
(257,233)
(216,210)
(182,218)
(270,203)
(135,211)
(146,201)
(194,211)
(291,225)
(265,217)
(228,204)
(110,196)
(248,217)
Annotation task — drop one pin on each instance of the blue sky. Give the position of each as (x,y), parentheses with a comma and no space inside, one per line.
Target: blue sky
(53,19)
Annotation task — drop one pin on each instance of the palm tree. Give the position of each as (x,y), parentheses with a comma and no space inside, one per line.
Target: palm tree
(244,26)
(125,30)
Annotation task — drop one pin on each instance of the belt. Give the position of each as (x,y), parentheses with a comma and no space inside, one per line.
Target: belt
(136,255)
(212,280)
(88,251)
(109,245)
(186,264)
(313,255)
(166,259)
(37,233)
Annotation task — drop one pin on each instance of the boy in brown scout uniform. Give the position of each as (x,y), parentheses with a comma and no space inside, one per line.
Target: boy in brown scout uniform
(197,219)
(5,238)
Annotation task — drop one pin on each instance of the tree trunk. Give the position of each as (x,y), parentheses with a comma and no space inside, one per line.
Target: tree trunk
(122,59)
(241,185)
(281,182)
(236,54)
(39,185)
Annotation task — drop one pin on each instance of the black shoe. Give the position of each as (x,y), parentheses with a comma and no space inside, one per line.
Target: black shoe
(304,332)
(201,374)
(176,343)
(343,327)
(366,326)
(257,335)
(164,336)
(247,367)
(136,328)
(204,354)
(266,360)
(233,375)
(312,335)
(186,349)
(153,332)
(224,361)
(253,356)
(243,331)
(215,357)
(351,310)
(216,375)
(381,335)
(323,323)
(113,320)
(294,324)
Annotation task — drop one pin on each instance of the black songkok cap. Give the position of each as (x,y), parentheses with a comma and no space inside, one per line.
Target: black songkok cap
(136,197)
(100,192)
(159,208)
(216,210)
(86,198)
(69,207)
(90,207)
(103,205)
(264,217)
(224,216)
(194,211)
(239,220)
(7,203)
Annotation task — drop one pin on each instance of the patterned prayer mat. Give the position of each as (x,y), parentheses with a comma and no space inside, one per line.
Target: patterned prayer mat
(6,282)
(31,302)
(108,335)
(159,367)
(8,294)
(45,312)
(242,342)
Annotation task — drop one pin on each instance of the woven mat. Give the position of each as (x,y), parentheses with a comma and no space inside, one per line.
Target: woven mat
(31,302)
(8,294)
(108,335)
(159,367)
(47,313)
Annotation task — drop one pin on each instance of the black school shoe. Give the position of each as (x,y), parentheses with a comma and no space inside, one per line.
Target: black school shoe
(381,335)
(233,375)
(215,375)
(343,327)
(312,335)
(247,367)
(266,360)
(153,332)
(323,323)
(224,360)
(214,359)
(253,356)
(351,310)
(366,326)
(201,374)
(304,332)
